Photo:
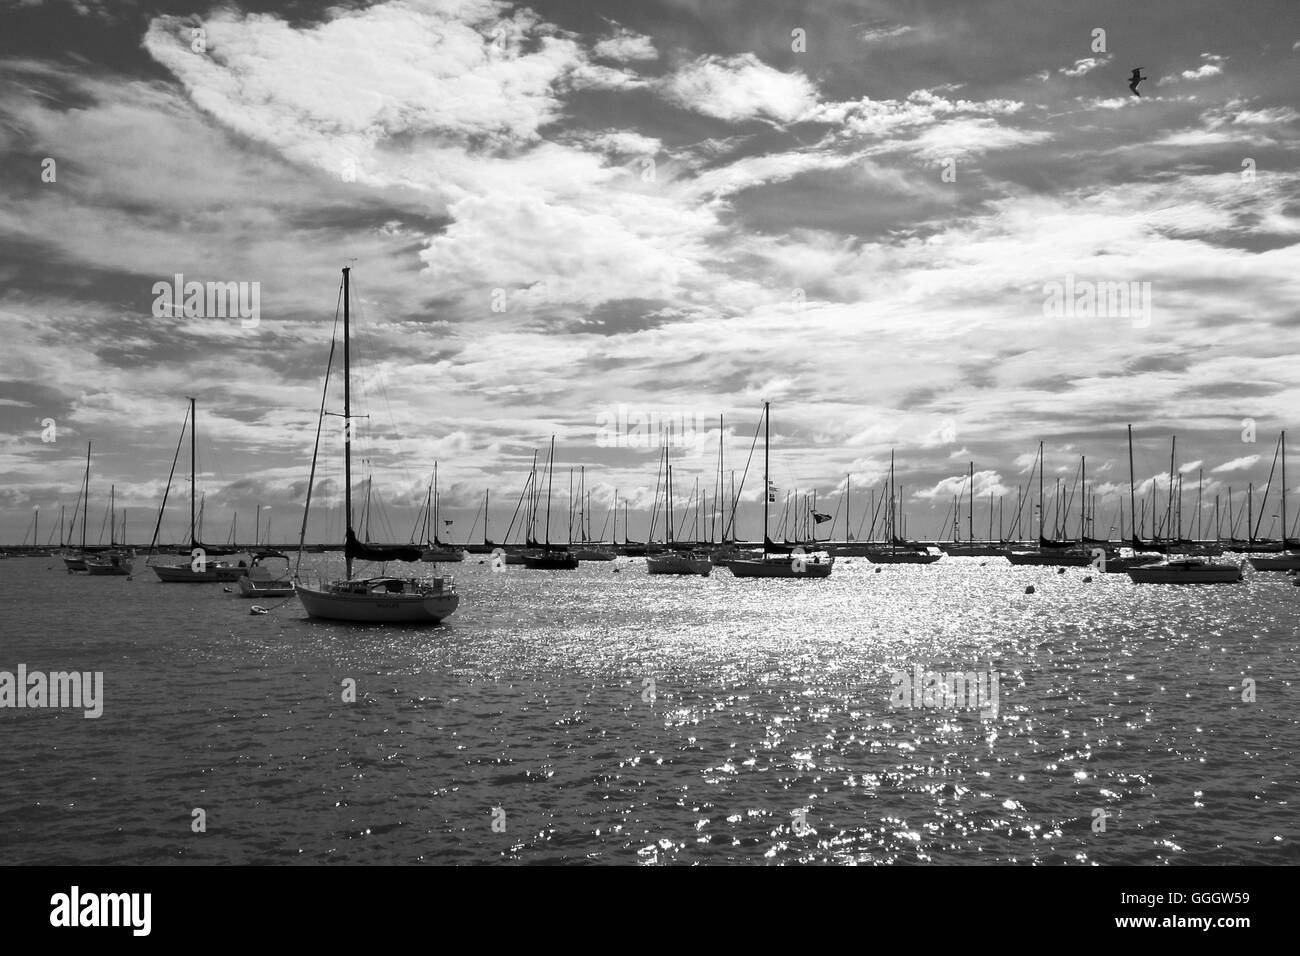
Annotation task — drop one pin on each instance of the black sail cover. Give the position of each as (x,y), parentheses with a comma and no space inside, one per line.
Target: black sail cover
(380,552)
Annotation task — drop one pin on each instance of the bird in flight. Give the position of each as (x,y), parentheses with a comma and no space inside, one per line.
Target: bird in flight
(1134,79)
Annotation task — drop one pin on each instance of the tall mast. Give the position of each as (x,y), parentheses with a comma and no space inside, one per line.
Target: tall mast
(970,515)
(1040,489)
(112,517)
(767,482)
(1284,529)
(86,503)
(485,516)
(719,520)
(1200,478)
(1249,514)
(193,480)
(1083,497)
(550,475)
(1057,533)
(892,510)
(1132,493)
(1169,506)
(428,509)
(347,419)
(668,497)
(848,504)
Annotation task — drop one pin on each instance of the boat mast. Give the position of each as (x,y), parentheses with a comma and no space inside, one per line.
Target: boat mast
(848,505)
(1083,498)
(1169,506)
(87,501)
(893,534)
(347,421)
(550,476)
(193,471)
(970,515)
(767,481)
(486,539)
(1283,441)
(1040,490)
(1250,513)
(1132,492)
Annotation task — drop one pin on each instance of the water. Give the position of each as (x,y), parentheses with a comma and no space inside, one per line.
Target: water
(532,707)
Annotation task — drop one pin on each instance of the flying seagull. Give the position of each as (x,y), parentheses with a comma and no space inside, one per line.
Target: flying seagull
(1134,79)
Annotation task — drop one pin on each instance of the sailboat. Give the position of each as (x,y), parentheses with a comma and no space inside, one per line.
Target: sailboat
(890,554)
(200,569)
(76,560)
(114,561)
(550,557)
(673,560)
(381,599)
(1184,570)
(770,564)
(266,577)
(589,550)
(1050,552)
(1287,560)
(436,550)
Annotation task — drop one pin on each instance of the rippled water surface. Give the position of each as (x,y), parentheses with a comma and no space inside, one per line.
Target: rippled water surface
(769,698)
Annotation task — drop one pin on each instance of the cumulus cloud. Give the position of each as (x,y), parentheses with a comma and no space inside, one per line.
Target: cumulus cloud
(1084,66)
(1211,65)
(626,45)
(739,88)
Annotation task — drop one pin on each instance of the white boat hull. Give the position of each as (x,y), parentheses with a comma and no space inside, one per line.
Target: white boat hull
(1177,573)
(783,566)
(1285,562)
(184,574)
(376,608)
(678,564)
(250,589)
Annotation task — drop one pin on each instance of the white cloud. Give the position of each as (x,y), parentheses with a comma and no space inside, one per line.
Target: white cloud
(1212,65)
(879,34)
(968,136)
(626,45)
(1237,464)
(1084,66)
(740,88)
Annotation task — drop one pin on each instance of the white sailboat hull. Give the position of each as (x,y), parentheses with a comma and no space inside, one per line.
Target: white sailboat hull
(376,607)
(783,566)
(1286,562)
(678,564)
(1185,573)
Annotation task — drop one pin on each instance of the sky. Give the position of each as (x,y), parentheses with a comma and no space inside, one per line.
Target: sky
(887,219)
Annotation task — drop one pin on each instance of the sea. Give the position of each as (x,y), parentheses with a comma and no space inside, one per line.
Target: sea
(603,716)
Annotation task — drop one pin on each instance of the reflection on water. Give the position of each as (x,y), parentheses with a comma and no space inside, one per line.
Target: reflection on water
(608,716)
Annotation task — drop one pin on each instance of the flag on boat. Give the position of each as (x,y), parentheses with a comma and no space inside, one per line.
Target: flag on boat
(771,491)
(818,517)
(447,522)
